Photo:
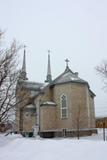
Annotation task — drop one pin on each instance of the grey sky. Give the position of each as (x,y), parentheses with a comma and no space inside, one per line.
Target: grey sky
(74,29)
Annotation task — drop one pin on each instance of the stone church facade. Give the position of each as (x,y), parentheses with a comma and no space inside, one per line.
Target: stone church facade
(58,107)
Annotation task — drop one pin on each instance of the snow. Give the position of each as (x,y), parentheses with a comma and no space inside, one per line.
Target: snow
(30,106)
(48,103)
(74,78)
(15,147)
(66,77)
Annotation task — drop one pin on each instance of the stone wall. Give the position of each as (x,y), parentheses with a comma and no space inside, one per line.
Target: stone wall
(76,100)
(22,96)
(92,112)
(80,109)
(29,121)
(47,118)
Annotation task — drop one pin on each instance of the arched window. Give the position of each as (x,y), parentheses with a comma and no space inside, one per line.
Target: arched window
(64,108)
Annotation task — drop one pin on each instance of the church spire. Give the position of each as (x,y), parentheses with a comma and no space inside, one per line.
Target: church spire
(23,70)
(48,77)
(24,61)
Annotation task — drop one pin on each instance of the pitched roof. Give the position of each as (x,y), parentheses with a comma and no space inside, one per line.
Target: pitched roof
(48,103)
(68,76)
(34,87)
(31,85)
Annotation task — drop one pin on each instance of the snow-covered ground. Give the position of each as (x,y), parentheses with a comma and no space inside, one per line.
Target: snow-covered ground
(15,147)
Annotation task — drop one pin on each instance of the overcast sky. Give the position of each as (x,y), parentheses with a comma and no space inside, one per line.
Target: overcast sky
(73,29)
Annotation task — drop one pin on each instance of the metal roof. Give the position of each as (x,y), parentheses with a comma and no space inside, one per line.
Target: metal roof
(68,76)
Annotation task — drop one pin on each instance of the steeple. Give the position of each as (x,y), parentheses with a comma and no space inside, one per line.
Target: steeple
(48,77)
(23,70)
(24,61)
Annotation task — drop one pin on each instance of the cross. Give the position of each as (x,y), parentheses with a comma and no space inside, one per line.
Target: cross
(67,61)
(24,48)
(49,51)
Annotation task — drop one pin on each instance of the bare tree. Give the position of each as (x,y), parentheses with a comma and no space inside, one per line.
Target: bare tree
(78,121)
(102,71)
(8,79)
(80,115)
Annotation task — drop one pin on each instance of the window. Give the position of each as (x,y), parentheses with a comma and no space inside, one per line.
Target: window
(64,108)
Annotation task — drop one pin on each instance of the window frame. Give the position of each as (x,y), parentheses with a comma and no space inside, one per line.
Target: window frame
(63,108)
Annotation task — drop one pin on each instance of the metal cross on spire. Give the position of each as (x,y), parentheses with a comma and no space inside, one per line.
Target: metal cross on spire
(49,51)
(24,48)
(67,61)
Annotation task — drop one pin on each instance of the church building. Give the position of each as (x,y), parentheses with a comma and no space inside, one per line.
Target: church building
(58,107)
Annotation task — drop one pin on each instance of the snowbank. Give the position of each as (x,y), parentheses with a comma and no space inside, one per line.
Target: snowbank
(18,148)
